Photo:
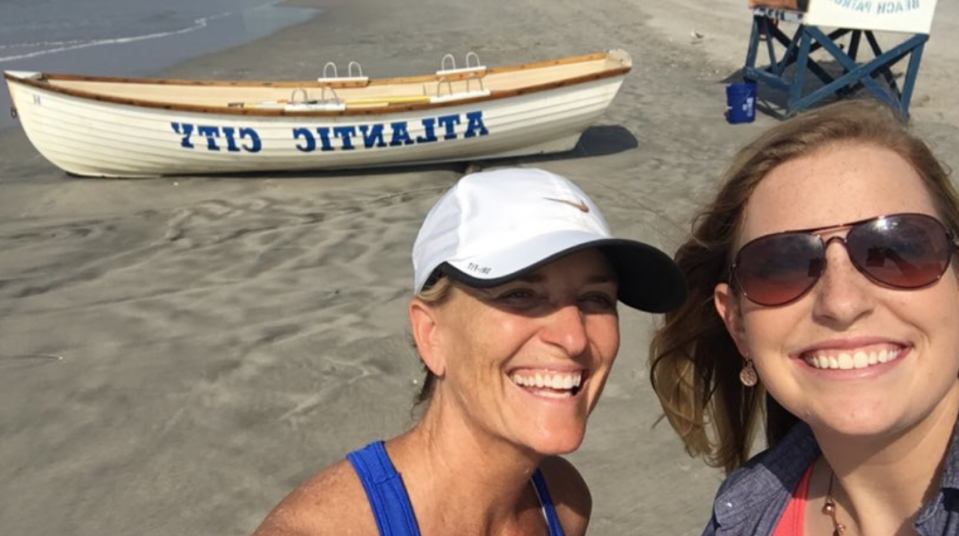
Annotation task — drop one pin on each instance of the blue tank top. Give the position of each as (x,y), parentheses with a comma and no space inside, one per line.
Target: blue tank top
(391,505)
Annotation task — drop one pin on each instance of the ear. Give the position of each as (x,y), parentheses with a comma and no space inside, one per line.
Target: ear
(727,305)
(425,327)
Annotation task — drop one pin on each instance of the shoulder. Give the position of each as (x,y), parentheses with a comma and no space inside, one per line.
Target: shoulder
(570,494)
(331,502)
(787,460)
(757,493)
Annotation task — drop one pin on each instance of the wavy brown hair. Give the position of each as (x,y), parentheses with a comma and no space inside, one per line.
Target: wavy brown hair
(694,362)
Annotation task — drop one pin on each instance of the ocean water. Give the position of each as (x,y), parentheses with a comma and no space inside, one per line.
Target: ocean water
(127,37)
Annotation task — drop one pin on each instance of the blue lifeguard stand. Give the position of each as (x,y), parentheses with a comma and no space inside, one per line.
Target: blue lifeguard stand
(859,19)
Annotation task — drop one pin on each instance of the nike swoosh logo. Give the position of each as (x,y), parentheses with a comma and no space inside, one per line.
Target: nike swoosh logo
(581,205)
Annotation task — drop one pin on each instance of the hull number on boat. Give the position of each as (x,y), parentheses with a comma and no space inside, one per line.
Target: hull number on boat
(336,138)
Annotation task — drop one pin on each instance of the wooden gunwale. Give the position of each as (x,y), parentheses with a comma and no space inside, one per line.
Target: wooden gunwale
(268,112)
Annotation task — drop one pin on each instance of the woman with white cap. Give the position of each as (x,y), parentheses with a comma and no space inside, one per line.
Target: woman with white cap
(516,280)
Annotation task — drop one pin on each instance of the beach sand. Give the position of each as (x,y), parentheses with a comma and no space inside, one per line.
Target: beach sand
(177,354)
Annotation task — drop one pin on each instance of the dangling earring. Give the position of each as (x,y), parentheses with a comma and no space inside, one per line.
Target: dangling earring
(748,375)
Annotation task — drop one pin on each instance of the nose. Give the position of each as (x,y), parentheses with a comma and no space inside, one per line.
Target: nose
(565,327)
(842,295)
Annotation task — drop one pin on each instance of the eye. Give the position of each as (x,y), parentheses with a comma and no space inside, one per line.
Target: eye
(519,297)
(598,301)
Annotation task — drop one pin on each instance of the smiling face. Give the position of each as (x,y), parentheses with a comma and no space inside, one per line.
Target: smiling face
(526,361)
(896,351)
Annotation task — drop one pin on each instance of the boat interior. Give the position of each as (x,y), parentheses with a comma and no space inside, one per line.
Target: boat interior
(334,93)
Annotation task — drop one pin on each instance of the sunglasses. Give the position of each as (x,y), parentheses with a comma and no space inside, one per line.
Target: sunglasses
(902,251)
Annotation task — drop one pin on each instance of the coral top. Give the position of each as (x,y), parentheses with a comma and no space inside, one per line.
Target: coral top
(791,522)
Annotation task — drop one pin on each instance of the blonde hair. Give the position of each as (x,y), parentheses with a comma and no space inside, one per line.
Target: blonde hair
(694,363)
(435,294)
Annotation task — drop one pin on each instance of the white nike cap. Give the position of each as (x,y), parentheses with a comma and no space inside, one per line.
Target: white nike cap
(495,226)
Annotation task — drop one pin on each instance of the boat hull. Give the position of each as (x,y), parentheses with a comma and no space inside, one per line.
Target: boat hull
(91,137)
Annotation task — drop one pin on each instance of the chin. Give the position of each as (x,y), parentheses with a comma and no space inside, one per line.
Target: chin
(860,424)
(553,443)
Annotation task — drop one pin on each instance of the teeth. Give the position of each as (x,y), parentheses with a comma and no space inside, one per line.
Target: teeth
(848,361)
(557,381)
(553,394)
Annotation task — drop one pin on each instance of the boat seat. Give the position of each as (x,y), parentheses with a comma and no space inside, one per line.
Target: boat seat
(790,57)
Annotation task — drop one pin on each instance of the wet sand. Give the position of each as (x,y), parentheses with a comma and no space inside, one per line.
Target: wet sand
(218,340)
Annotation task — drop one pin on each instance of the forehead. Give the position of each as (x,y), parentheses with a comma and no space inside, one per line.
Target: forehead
(837,184)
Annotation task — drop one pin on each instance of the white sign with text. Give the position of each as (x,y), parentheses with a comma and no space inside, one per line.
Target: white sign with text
(910,16)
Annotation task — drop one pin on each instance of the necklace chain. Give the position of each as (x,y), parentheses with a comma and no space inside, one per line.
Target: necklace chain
(829,508)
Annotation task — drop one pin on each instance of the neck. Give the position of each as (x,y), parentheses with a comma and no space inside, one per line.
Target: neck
(882,482)
(475,480)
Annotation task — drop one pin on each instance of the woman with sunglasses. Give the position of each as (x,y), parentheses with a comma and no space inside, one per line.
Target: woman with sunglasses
(516,281)
(823,304)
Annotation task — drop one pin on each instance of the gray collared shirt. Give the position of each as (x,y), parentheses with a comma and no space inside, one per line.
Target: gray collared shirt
(752,498)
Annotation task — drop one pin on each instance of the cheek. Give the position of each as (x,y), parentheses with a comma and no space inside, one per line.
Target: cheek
(943,332)
(488,340)
(603,332)
(766,330)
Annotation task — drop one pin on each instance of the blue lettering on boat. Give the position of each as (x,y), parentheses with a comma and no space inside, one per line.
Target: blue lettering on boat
(185,130)
(450,122)
(337,138)
(324,133)
(307,138)
(372,136)
(210,133)
(475,127)
(429,134)
(346,135)
(401,135)
(255,143)
(249,137)
(228,133)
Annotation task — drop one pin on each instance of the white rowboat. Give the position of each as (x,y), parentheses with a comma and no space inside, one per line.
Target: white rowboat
(123,127)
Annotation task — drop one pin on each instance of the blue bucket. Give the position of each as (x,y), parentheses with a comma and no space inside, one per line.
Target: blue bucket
(741,102)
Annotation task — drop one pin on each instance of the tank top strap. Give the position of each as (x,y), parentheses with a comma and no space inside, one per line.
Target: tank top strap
(549,511)
(385,491)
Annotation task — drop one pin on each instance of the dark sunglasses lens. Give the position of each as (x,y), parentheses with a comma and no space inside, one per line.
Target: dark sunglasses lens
(904,251)
(777,269)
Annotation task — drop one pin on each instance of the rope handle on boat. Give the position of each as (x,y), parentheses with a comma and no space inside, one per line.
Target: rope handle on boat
(13,112)
(478,79)
(306,96)
(439,86)
(449,86)
(470,65)
(336,98)
(473,55)
(452,62)
(326,73)
(354,73)
(359,70)
(323,100)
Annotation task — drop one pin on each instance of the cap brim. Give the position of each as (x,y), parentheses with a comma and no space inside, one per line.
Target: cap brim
(649,280)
